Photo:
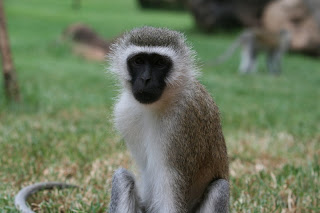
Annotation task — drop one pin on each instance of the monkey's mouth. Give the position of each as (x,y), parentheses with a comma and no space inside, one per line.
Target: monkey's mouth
(147,97)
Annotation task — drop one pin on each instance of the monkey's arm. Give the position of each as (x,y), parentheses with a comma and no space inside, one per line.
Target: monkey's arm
(217,198)
(20,200)
(124,196)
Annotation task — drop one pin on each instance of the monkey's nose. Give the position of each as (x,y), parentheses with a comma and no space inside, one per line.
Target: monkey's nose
(145,80)
(146,76)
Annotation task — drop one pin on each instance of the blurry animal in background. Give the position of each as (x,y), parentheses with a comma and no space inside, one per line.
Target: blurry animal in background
(211,15)
(255,41)
(86,42)
(170,124)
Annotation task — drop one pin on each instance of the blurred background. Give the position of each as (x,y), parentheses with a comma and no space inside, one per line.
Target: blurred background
(56,98)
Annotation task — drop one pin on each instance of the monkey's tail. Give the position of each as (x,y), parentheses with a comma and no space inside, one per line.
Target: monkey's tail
(229,52)
(20,200)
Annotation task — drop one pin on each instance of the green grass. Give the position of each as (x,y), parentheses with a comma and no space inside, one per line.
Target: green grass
(62,129)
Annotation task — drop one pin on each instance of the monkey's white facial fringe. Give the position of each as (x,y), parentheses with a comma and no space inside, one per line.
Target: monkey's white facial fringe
(184,67)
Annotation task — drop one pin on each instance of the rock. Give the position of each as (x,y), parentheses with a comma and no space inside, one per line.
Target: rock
(299,17)
(86,42)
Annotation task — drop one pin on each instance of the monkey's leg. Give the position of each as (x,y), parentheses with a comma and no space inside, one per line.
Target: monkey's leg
(253,67)
(274,63)
(245,60)
(124,196)
(217,198)
(254,60)
(248,59)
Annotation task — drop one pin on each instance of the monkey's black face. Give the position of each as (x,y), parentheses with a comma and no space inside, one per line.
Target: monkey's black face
(148,73)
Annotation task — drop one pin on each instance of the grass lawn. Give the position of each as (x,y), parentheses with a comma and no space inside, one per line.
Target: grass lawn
(62,130)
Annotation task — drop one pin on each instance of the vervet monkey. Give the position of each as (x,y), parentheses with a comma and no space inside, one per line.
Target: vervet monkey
(171,126)
(255,41)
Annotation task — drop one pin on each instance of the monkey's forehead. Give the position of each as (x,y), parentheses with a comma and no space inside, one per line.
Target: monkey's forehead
(151,36)
(151,40)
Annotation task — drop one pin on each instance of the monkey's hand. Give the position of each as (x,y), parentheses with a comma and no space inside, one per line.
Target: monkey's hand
(124,196)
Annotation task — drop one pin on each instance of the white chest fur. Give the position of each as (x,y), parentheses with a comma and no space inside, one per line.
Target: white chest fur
(144,133)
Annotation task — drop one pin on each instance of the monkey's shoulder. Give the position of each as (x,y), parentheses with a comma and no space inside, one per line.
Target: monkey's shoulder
(197,136)
(200,102)
(197,115)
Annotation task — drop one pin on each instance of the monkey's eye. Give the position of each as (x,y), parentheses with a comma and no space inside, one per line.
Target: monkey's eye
(160,62)
(138,61)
